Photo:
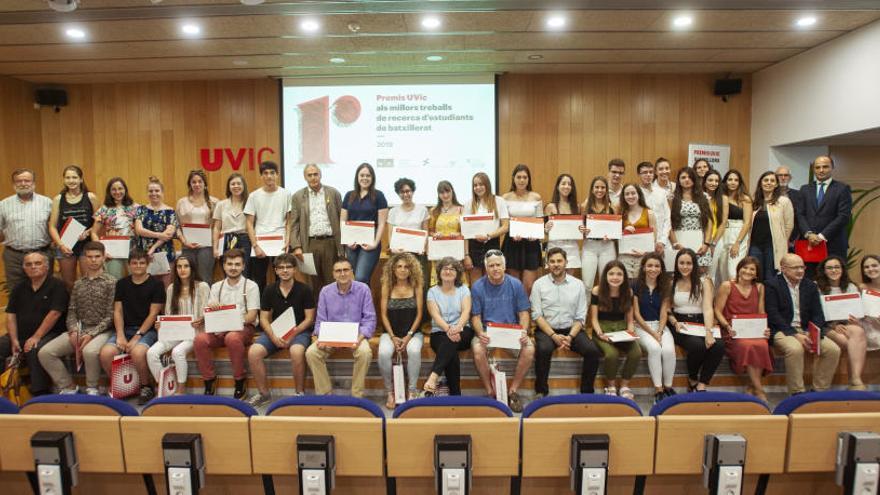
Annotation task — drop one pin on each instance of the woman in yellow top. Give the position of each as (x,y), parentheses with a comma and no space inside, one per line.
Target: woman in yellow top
(635,215)
(718,205)
(445,220)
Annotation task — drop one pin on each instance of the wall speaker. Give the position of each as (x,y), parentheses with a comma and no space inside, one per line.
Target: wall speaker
(51,97)
(727,87)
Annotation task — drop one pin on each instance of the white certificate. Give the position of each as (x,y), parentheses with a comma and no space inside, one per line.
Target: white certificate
(178,327)
(699,330)
(691,239)
(640,241)
(441,247)
(199,233)
(504,335)
(271,244)
(307,265)
(223,319)
(750,326)
(159,264)
(71,231)
(871,302)
(621,336)
(841,306)
(116,246)
(283,326)
(338,333)
(478,224)
(358,232)
(409,240)
(565,228)
(602,226)
(526,227)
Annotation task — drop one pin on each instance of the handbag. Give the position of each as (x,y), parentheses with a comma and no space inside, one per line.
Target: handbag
(124,379)
(811,254)
(10,383)
(398,379)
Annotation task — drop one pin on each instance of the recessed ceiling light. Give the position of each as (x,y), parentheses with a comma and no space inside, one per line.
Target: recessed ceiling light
(556,22)
(433,58)
(240,63)
(431,22)
(535,57)
(337,60)
(252,2)
(806,21)
(191,29)
(75,33)
(63,5)
(310,25)
(682,21)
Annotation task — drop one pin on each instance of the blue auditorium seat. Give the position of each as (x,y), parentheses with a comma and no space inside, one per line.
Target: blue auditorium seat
(325,405)
(830,401)
(710,403)
(198,405)
(83,404)
(581,405)
(452,406)
(7,407)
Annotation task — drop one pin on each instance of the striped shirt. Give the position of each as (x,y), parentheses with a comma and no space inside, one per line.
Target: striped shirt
(25,224)
(91,303)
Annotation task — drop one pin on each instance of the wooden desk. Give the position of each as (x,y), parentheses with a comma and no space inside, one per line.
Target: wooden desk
(812,438)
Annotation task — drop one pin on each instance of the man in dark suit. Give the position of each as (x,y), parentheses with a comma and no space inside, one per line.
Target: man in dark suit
(824,210)
(783,176)
(792,303)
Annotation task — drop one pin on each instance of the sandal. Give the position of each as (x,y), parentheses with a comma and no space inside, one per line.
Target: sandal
(626,393)
(610,391)
(389,401)
(692,387)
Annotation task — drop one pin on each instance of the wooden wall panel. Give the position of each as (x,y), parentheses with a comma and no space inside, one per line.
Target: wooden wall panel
(20,140)
(575,123)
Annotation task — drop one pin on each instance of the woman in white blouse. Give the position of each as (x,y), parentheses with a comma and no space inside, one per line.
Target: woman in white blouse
(523,255)
(196,209)
(408,215)
(230,224)
(832,278)
(484,202)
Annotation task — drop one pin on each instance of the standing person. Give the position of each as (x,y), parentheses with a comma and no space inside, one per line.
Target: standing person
(691,302)
(401,309)
(783,175)
(34,317)
(408,215)
(88,323)
(345,300)
(77,202)
(718,213)
(825,210)
(564,202)
(596,252)
(657,201)
(500,298)
(650,311)
(664,177)
(832,278)
(690,212)
(559,308)
(267,212)
(734,243)
(284,294)
(314,224)
(449,304)
(635,215)
(138,300)
(744,295)
(187,295)
(115,217)
(523,255)
(772,225)
(611,310)
(156,226)
(870,270)
(244,293)
(701,167)
(792,303)
(616,172)
(197,207)
(484,201)
(229,220)
(365,203)
(445,220)
(24,226)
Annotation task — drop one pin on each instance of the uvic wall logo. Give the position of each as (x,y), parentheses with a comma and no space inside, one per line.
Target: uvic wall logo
(212,159)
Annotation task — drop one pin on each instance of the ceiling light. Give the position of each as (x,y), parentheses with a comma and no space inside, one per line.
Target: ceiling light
(63,5)
(433,58)
(682,21)
(240,63)
(556,22)
(252,2)
(75,33)
(536,56)
(337,60)
(191,29)
(431,22)
(310,25)
(806,21)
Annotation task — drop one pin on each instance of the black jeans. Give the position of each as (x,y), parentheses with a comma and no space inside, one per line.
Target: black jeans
(702,362)
(41,383)
(447,361)
(580,344)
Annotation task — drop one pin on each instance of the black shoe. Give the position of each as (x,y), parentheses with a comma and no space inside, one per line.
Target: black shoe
(210,386)
(669,392)
(240,388)
(658,396)
(146,395)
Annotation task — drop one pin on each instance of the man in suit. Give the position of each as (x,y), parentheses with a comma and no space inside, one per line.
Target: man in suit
(315,225)
(824,210)
(792,303)
(783,176)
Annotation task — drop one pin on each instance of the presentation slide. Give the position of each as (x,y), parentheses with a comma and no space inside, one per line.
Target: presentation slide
(426,129)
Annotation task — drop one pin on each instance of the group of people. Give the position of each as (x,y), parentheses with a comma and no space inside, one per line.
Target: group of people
(639,305)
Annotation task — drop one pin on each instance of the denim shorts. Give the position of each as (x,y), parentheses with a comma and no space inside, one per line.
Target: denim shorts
(147,339)
(303,338)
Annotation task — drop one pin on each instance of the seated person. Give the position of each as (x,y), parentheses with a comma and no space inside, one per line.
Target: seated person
(34,316)
(449,304)
(559,308)
(345,300)
(832,278)
(138,301)
(285,293)
(650,311)
(500,298)
(89,320)
(792,303)
(244,293)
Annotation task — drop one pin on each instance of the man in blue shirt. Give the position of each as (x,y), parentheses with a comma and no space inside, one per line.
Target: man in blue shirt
(498,298)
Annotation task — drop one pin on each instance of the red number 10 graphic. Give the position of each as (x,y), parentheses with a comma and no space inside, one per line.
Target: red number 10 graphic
(314,125)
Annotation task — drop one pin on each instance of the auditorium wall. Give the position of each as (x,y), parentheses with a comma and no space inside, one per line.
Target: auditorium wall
(20,136)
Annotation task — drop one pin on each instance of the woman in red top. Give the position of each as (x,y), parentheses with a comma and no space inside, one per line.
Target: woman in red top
(740,296)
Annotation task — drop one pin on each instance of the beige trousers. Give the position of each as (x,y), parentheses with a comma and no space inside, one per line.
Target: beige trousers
(52,353)
(824,365)
(317,360)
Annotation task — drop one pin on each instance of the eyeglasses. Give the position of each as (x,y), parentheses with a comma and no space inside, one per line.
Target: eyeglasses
(494,252)
(783,175)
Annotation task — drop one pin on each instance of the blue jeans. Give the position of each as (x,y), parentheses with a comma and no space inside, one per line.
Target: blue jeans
(765,257)
(363,262)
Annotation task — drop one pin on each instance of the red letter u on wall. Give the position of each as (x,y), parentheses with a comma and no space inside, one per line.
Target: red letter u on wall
(209,163)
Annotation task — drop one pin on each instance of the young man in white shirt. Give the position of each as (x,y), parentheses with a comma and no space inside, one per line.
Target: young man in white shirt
(657,201)
(616,171)
(268,214)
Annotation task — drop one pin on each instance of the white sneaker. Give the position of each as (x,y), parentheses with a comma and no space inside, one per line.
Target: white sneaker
(93,391)
(69,391)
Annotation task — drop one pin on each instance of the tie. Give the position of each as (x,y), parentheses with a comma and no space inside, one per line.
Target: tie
(821,194)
